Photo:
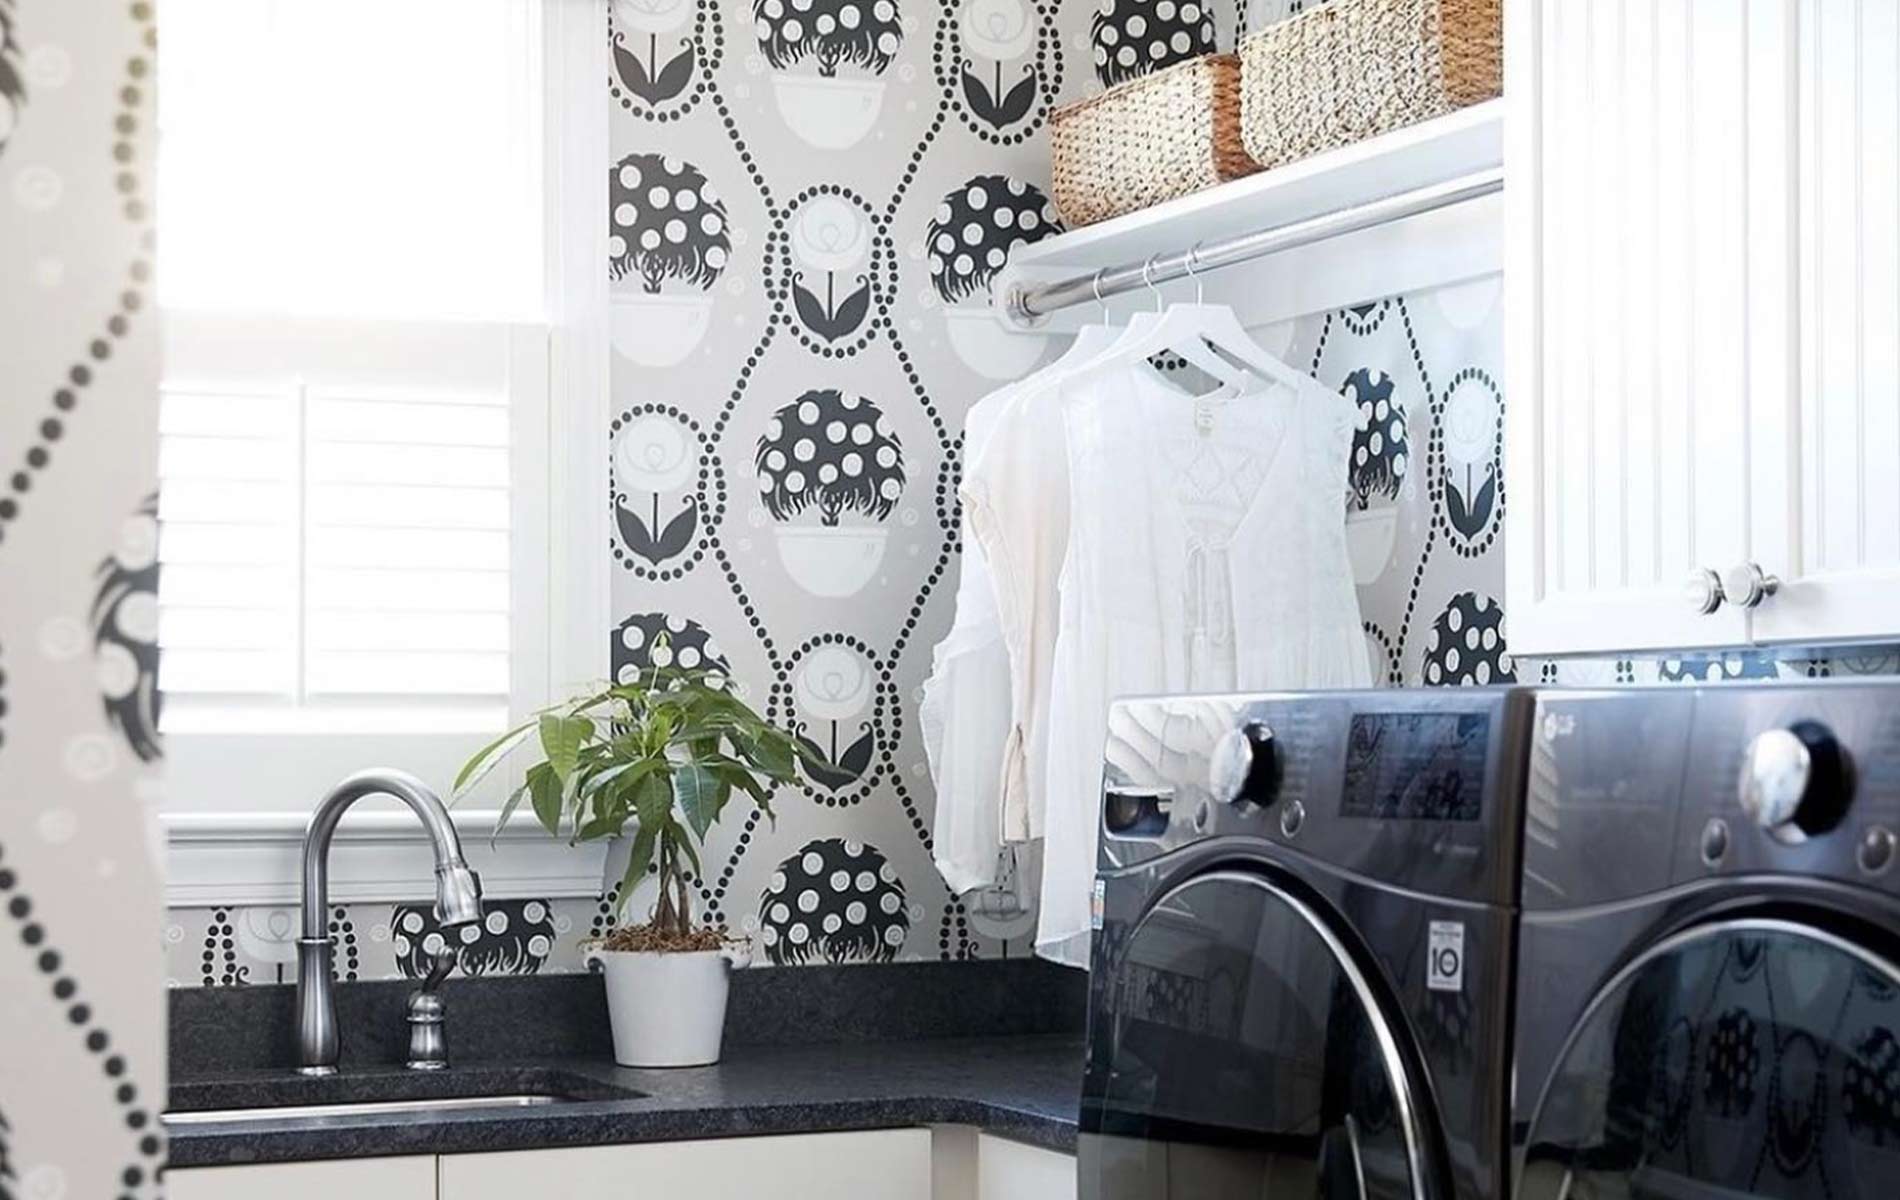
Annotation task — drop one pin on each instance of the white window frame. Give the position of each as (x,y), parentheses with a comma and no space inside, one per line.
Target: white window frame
(227,849)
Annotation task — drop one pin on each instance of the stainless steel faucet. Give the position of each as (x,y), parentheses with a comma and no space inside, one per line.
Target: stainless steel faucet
(458,899)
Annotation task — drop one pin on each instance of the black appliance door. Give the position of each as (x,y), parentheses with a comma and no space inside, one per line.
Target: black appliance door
(1241,1051)
(1748,1058)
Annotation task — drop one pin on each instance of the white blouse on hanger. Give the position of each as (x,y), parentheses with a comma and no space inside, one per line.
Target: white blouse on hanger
(1206,552)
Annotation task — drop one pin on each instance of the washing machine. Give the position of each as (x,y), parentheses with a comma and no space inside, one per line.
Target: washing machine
(1709,975)
(1301,968)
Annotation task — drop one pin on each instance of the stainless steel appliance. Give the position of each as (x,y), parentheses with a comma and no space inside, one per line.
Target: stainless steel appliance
(1301,972)
(1709,982)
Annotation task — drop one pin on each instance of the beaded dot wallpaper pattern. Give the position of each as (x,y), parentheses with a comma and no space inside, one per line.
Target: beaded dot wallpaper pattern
(80,1003)
(807,202)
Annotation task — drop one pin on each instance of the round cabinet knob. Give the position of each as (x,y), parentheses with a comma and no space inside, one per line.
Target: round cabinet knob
(1703,590)
(1245,771)
(1748,585)
(1794,782)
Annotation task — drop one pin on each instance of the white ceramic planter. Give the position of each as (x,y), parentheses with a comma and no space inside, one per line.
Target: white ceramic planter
(667,1010)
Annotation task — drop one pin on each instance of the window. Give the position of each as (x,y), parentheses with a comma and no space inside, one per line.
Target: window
(357,277)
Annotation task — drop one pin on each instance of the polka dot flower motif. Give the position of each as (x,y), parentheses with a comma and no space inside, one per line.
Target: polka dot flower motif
(514,937)
(1870,1089)
(665,223)
(1380,449)
(824,109)
(834,901)
(829,33)
(638,645)
(667,244)
(832,453)
(1467,644)
(975,228)
(1134,37)
(125,632)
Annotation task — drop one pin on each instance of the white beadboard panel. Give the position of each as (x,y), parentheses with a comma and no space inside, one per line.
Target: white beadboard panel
(1838,552)
(1635,210)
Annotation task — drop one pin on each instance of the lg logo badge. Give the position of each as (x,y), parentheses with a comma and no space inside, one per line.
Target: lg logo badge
(1445,957)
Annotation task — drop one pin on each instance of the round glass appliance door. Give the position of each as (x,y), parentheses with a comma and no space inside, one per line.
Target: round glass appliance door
(1243,1052)
(1753,1058)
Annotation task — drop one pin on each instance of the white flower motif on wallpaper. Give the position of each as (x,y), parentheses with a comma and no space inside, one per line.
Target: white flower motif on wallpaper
(833,689)
(829,111)
(1473,425)
(831,247)
(968,242)
(658,458)
(995,34)
(640,65)
(666,226)
(833,453)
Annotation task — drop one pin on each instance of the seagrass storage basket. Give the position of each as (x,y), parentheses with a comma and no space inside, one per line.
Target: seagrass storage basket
(1351,69)
(1147,140)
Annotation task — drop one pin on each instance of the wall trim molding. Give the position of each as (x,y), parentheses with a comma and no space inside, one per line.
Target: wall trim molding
(238,858)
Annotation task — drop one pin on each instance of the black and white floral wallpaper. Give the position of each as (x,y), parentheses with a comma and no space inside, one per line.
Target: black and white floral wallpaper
(807,201)
(81,1011)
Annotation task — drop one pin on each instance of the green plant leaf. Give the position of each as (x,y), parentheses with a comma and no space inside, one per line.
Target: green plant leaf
(561,739)
(697,790)
(483,761)
(507,810)
(653,801)
(544,792)
(770,755)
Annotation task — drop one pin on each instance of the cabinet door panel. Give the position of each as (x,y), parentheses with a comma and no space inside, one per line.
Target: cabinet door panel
(357,1178)
(1009,1170)
(1629,238)
(890,1164)
(1836,546)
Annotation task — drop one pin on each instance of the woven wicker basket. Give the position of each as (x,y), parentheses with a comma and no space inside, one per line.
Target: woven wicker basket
(1148,140)
(1351,69)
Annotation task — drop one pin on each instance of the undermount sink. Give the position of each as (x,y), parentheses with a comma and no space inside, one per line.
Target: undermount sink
(381,1093)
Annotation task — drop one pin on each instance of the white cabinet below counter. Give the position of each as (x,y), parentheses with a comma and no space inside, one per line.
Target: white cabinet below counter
(410,1178)
(885,1164)
(1702,278)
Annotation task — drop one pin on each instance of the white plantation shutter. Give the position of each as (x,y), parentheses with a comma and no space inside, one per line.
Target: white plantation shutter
(342,546)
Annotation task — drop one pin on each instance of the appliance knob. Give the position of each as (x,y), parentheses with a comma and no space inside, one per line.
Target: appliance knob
(1246,768)
(1794,781)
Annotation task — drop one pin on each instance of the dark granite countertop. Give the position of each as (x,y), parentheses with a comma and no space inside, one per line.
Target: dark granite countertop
(1020,1087)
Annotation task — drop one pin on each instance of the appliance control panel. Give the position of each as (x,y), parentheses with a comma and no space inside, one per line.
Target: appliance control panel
(1341,777)
(1801,778)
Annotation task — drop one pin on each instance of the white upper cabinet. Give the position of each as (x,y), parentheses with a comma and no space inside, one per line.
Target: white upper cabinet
(1703,272)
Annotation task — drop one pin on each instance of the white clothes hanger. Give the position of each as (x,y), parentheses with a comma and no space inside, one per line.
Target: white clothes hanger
(1216,323)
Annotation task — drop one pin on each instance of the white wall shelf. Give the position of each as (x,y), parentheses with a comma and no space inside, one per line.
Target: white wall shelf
(1431,249)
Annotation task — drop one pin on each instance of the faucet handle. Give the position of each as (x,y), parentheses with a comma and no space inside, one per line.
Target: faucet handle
(428,1049)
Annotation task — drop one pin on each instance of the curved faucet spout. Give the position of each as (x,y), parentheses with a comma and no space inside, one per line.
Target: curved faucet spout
(458,898)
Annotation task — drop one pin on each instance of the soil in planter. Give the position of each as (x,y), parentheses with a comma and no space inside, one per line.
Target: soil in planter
(646,939)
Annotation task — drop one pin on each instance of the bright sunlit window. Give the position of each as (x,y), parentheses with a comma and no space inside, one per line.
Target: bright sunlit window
(355,158)
(353,451)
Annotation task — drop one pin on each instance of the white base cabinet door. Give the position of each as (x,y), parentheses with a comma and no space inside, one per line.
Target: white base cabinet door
(890,1164)
(355,1178)
(1009,1170)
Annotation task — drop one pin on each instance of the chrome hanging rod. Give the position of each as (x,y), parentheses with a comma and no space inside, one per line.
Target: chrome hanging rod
(1026,304)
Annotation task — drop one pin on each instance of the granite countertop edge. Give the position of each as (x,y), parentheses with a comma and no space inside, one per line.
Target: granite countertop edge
(1018,1088)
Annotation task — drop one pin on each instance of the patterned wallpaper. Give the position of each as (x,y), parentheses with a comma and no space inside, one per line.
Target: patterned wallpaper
(807,201)
(80,1006)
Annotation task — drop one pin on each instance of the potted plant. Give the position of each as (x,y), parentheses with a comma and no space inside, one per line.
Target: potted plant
(666,750)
